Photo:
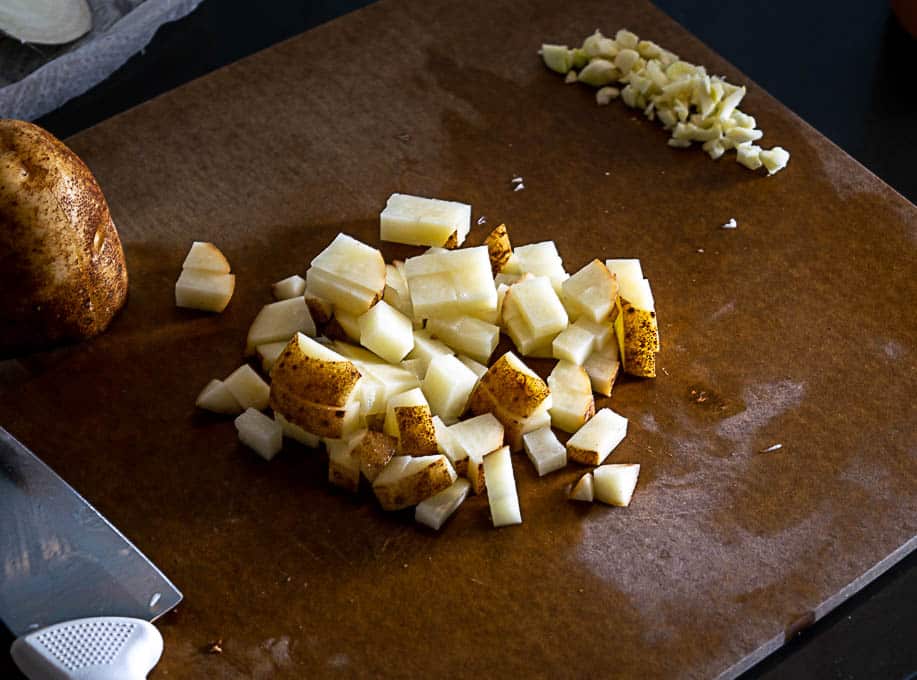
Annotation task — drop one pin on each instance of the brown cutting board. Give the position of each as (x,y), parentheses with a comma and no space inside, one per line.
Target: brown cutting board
(796,328)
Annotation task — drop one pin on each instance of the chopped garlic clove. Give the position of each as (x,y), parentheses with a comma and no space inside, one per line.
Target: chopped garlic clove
(626,39)
(557,57)
(679,143)
(648,49)
(626,59)
(599,72)
(774,159)
(604,95)
(571,78)
(748,155)
(740,135)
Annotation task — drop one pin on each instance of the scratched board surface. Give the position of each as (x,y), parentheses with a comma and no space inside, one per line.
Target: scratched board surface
(795,328)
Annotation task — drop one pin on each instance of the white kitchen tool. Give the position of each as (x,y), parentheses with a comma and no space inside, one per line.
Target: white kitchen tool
(78,594)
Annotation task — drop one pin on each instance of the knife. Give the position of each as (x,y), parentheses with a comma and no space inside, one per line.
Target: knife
(77,594)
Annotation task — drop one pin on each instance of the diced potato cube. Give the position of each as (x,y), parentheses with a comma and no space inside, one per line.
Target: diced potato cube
(415,366)
(538,304)
(412,397)
(615,483)
(573,344)
(422,221)
(387,332)
(447,385)
(269,353)
(204,290)
(544,450)
(602,367)
(446,446)
(541,259)
(572,403)
(260,433)
(476,437)
(592,443)
(477,368)
(290,287)
(217,398)
(349,274)
(436,509)
(349,323)
(501,488)
(451,283)
(603,332)
(426,348)
(248,388)
(279,321)
(591,292)
(296,433)
(583,490)
(207,257)
(478,339)
(344,462)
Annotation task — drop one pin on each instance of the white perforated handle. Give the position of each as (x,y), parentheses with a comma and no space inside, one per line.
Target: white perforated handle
(102,648)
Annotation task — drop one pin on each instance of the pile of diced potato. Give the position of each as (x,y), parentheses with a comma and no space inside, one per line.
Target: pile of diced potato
(391,366)
(690,103)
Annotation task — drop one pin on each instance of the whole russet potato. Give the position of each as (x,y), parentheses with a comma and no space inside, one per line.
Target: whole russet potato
(62,270)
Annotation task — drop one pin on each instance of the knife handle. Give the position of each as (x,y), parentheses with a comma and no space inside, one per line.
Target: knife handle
(100,648)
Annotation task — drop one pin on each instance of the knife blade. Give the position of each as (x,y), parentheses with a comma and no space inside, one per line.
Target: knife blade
(60,559)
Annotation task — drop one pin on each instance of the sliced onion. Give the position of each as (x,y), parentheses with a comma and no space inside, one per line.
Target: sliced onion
(45,22)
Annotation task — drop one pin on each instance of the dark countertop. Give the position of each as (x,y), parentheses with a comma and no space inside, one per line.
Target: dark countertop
(846,73)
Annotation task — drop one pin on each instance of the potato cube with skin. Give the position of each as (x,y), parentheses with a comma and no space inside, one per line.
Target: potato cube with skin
(474,473)
(416,434)
(290,287)
(204,290)
(258,432)
(316,388)
(436,509)
(248,388)
(349,274)
(279,321)
(374,451)
(217,398)
(592,443)
(407,480)
(499,248)
(602,366)
(412,397)
(473,337)
(320,309)
(344,462)
(419,221)
(544,450)
(583,490)
(207,257)
(615,483)
(573,344)
(501,488)
(590,292)
(512,386)
(296,433)
(269,353)
(447,386)
(387,332)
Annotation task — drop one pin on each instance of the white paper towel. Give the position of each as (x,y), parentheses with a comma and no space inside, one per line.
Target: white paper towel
(35,80)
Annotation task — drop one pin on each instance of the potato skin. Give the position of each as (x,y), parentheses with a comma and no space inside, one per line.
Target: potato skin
(62,271)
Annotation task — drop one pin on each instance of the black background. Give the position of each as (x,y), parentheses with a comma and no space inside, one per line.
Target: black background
(846,67)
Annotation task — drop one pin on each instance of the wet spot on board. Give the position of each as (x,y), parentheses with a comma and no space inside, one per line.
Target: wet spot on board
(893,350)
(710,403)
